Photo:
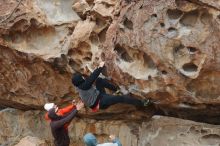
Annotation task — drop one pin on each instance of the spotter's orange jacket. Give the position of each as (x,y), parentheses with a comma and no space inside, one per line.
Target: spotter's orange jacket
(62,112)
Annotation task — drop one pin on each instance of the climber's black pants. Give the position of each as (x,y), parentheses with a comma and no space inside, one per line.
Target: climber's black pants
(101,84)
(107,100)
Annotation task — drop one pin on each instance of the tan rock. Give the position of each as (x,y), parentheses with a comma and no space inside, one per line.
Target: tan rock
(29,26)
(172,132)
(31,141)
(159,51)
(211,3)
(81,7)
(58,12)
(166,50)
(46,42)
(30,128)
(102,10)
(19,16)
(16,125)
(82,32)
(27,81)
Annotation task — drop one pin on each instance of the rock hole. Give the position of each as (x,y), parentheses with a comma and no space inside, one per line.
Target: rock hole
(80,52)
(74,65)
(94,38)
(211,139)
(89,54)
(87,58)
(100,22)
(70,52)
(128,1)
(190,67)
(148,61)
(194,130)
(102,35)
(154,30)
(103,56)
(141,7)
(107,5)
(63,56)
(154,15)
(123,53)
(211,136)
(218,16)
(206,18)
(174,14)
(25,27)
(204,131)
(162,25)
(178,48)
(182,134)
(171,29)
(33,21)
(96,58)
(128,24)
(172,32)
(164,72)
(149,77)
(190,18)
(179,3)
(90,2)
(60,63)
(20,25)
(192,49)
(126,57)
(11,21)
(2,107)
(33,80)
(70,30)
(17,10)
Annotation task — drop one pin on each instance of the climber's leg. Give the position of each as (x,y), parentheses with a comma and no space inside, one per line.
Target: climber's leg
(108,100)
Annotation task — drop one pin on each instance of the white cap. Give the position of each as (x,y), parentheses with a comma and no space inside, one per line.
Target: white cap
(48,106)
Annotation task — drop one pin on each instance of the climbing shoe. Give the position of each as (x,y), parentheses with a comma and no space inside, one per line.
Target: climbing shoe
(146,102)
(118,92)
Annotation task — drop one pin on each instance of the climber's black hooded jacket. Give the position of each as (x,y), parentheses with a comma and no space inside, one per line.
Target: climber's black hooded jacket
(87,92)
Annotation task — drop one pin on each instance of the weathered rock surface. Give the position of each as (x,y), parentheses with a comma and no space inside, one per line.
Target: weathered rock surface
(159,130)
(166,50)
(31,141)
(16,125)
(27,81)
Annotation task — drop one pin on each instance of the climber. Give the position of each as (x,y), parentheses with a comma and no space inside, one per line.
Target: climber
(60,111)
(57,124)
(96,97)
(90,140)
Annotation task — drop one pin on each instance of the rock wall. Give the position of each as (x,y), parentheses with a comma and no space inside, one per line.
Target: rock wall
(31,141)
(157,131)
(165,50)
